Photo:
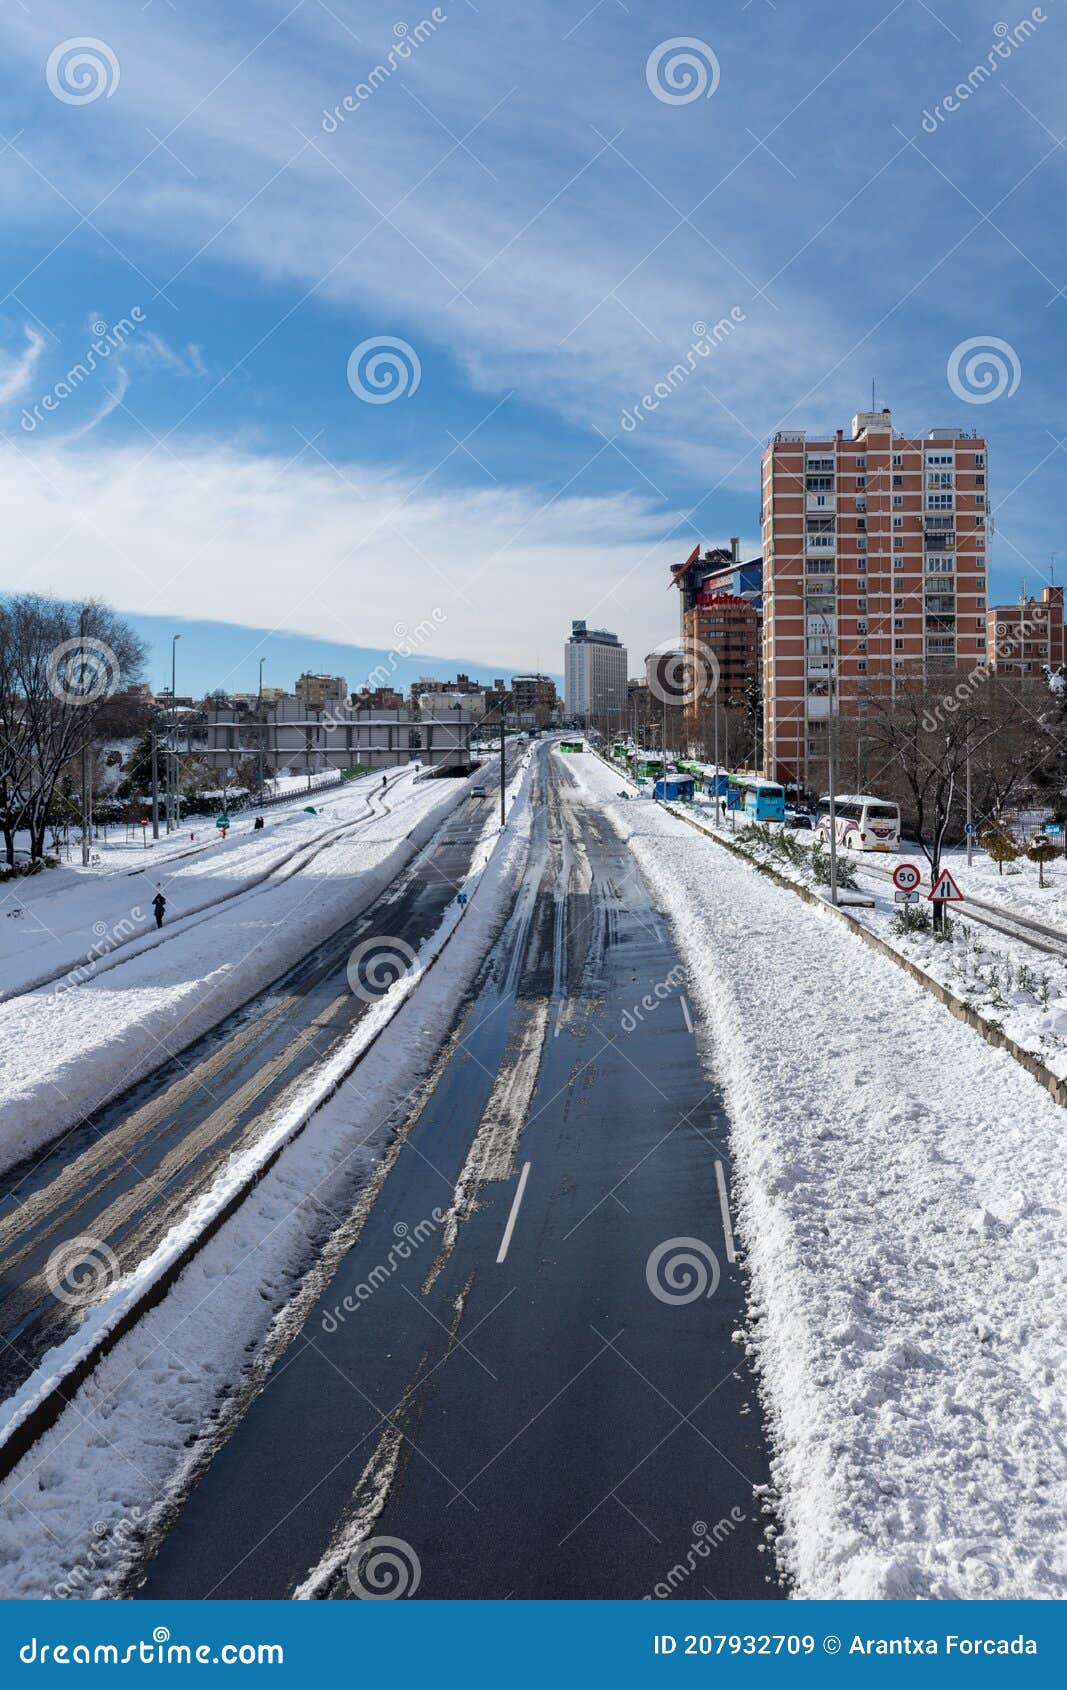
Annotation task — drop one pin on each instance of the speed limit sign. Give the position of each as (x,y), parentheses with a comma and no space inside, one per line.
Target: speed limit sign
(906,877)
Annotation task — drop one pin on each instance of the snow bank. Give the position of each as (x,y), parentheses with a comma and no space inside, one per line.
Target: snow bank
(112,1465)
(65,1053)
(898,1187)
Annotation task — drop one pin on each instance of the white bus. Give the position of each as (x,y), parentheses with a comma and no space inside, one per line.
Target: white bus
(863,823)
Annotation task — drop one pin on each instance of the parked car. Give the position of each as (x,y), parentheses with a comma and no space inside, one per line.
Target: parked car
(802,819)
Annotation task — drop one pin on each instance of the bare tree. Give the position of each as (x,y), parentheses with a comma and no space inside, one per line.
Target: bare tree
(59,665)
(914,742)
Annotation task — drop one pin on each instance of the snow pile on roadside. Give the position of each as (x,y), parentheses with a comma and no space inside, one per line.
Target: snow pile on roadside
(897,1183)
(62,1055)
(73,1508)
(1018,991)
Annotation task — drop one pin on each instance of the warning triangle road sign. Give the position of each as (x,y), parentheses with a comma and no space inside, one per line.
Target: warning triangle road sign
(944,890)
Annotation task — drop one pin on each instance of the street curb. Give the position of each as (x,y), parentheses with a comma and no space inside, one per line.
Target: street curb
(1056,1087)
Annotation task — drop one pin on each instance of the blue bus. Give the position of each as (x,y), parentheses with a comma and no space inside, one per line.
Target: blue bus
(763,800)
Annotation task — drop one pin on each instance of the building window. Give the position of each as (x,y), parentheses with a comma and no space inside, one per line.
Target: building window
(898,499)
(861,462)
(939,501)
(861,604)
(898,624)
(861,481)
(861,524)
(898,522)
(898,459)
(979,460)
(979,499)
(898,604)
(944,458)
(898,546)
(979,480)
(898,645)
(861,664)
(898,480)
(979,522)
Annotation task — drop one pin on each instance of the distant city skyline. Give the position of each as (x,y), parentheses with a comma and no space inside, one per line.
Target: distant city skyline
(223,654)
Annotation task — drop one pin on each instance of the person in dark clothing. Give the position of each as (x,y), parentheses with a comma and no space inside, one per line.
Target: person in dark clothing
(257,824)
(159,904)
(385,781)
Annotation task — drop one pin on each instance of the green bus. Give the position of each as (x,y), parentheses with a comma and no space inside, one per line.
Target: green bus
(571,745)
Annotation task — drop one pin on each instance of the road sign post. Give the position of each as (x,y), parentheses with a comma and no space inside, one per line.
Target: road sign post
(943,891)
(144,832)
(907,877)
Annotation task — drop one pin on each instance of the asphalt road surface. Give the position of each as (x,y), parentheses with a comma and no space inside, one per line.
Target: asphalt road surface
(543,1396)
(129,1171)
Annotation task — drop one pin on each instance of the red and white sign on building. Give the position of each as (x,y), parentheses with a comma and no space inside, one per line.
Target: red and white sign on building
(944,890)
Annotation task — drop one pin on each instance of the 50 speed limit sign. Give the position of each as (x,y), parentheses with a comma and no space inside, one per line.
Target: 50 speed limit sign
(906,877)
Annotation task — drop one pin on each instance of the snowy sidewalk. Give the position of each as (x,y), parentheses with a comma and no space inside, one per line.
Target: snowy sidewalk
(897,1182)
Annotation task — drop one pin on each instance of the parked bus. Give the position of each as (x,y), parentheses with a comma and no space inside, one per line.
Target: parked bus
(763,800)
(863,823)
(715,782)
(571,745)
(646,766)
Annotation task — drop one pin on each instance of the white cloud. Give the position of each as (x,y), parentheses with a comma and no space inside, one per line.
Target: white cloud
(17,373)
(346,553)
(113,397)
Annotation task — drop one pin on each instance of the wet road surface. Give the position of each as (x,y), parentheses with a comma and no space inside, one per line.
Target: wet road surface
(524,1372)
(122,1178)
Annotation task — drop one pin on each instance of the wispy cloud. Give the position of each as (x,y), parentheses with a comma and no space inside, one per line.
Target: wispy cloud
(16,373)
(111,401)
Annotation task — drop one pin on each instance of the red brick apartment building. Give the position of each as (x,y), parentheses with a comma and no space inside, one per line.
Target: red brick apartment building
(716,617)
(1025,638)
(874,560)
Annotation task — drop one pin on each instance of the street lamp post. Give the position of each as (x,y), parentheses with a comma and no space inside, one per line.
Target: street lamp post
(831,644)
(172,784)
(262,725)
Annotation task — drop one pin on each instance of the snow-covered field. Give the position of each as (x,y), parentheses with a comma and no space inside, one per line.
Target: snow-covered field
(78,919)
(899,1186)
(94,1483)
(67,1048)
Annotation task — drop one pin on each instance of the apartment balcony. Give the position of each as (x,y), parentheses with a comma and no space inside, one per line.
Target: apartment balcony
(824,503)
(820,543)
(939,542)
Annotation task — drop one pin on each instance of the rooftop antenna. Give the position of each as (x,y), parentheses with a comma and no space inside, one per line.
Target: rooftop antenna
(872,394)
(1052,568)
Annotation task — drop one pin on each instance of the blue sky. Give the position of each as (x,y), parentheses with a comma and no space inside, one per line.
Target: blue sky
(516,202)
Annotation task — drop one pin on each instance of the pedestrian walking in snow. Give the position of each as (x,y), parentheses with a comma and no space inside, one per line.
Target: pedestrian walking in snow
(159,904)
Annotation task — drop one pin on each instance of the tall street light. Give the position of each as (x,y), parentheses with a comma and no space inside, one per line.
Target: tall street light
(831,649)
(172,805)
(262,724)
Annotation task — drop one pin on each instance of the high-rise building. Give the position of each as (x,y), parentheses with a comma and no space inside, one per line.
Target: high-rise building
(594,667)
(874,570)
(1028,637)
(720,599)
